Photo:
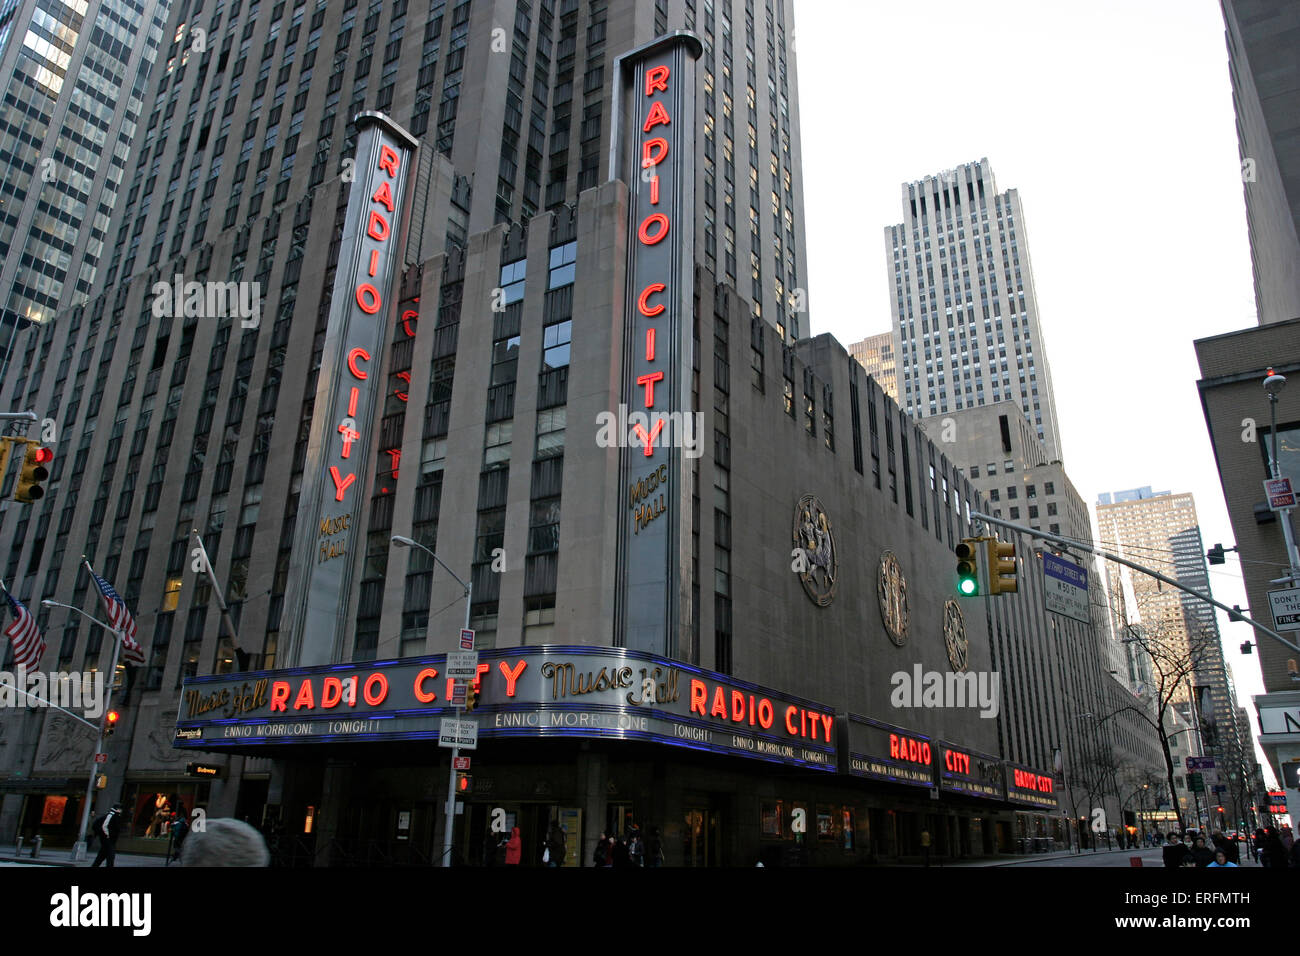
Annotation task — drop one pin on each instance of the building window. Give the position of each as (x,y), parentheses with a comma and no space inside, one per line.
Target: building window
(512,281)
(563,265)
(556,339)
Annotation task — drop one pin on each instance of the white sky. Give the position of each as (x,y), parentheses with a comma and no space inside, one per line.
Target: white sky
(1114,121)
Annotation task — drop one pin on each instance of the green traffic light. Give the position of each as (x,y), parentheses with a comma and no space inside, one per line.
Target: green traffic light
(967,586)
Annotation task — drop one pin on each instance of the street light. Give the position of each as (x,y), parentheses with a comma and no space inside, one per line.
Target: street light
(79,848)
(406,542)
(1273,384)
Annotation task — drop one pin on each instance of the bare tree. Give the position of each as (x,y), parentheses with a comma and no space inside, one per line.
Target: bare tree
(1176,649)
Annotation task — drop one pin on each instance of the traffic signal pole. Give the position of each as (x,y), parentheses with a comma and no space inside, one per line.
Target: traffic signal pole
(1091,549)
(79,848)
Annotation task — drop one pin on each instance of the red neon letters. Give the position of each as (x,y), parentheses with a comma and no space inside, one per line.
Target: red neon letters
(740,708)
(652,230)
(905,748)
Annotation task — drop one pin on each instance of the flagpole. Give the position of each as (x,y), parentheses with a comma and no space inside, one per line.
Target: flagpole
(221,603)
(79,848)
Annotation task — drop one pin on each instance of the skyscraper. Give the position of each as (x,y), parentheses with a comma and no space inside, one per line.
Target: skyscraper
(875,353)
(77,77)
(1160,530)
(965,312)
(1262,37)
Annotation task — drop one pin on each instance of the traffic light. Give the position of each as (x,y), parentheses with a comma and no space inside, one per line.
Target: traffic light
(28,487)
(101,781)
(968,567)
(464,782)
(471,695)
(1001,567)
(110,722)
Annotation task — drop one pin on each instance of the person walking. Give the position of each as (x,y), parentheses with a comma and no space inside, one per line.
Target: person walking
(1220,859)
(514,846)
(1201,854)
(176,834)
(925,845)
(555,841)
(600,856)
(1174,852)
(654,848)
(106,828)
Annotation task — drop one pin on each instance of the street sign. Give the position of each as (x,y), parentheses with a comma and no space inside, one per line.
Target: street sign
(1200,763)
(1065,588)
(101,758)
(1195,783)
(458,733)
(466,640)
(1279,493)
(1285,605)
(462,664)
(458,693)
(460,763)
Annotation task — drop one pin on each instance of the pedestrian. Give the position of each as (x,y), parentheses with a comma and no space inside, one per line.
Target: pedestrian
(1220,859)
(1258,845)
(514,846)
(925,845)
(553,855)
(654,848)
(176,833)
(601,853)
(635,848)
(1273,853)
(225,842)
(106,828)
(1174,852)
(1201,854)
(619,857)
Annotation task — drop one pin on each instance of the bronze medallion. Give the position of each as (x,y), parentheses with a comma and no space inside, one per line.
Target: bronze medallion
(954,635)
(814,550)
(891,588)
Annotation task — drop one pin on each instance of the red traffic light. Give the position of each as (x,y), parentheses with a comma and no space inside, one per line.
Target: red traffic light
(42,455)
(112,717)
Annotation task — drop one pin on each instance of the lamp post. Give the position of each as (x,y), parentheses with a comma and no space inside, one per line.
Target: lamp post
(406,542)
(1273,384)
(79,848)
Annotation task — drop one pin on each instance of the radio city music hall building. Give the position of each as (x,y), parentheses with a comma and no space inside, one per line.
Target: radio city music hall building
(695,631)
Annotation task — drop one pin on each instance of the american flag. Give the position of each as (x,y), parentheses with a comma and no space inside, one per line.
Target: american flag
(29,646)
(120,618)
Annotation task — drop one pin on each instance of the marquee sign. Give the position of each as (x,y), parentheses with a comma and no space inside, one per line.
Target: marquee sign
(653,151)
(349,392)
(537,691)
(962,770)
(880,751)
(1027,786)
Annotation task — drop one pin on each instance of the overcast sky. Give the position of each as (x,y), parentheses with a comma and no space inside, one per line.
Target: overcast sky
(1114,121)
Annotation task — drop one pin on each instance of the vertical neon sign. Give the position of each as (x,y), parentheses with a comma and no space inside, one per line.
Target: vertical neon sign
(349,394)
(654,151)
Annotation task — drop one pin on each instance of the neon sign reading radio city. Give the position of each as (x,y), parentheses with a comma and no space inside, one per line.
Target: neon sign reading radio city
(652,230)
(370,301)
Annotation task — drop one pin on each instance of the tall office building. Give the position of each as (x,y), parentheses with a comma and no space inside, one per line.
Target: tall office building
(77,77)
(965,312)
(875,353)
(1262,36)
(1160,530)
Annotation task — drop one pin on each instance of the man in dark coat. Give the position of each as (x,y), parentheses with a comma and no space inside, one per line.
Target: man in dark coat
(1174,852)
(1201,854)
(555,843)
(107,828)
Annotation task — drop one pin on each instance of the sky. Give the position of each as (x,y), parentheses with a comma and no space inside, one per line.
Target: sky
(1114,122)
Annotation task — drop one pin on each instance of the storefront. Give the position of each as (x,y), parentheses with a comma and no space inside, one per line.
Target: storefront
(596,739)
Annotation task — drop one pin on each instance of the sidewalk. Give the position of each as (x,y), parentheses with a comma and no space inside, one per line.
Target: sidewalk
(1151,856)
(60,856)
